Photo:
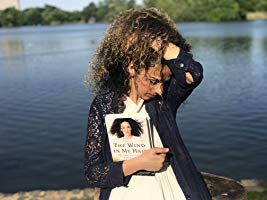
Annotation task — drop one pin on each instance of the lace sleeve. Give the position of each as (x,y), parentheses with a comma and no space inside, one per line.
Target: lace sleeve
(98,172)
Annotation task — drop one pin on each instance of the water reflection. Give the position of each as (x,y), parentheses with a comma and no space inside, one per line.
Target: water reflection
(223,45)
(38,41)
(11,47)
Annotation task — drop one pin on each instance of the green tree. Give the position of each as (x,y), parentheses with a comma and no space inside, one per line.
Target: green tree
(89,12)
(131,4)
(32,16)
(197,10)
(214,10)
(108,9)
(102,10)
(174,8)
(261,5)
(222,10)
(115,7)
(0,18)
(10,17)
(150,3)
(54,15)
(74,16)
(246,6)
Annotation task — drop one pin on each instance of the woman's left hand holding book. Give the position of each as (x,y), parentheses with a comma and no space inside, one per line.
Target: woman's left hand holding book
(150,160)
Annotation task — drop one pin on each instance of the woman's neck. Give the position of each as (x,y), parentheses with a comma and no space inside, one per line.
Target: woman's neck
(133,93)
(135,98)
(127,137)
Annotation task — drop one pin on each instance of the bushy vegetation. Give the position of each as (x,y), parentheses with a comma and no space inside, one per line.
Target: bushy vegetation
(105,10)
(208,10)
(257,195)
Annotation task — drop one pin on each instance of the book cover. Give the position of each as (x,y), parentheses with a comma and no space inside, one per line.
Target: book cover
(129,135)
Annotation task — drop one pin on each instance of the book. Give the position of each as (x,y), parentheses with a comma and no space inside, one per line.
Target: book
(129,136)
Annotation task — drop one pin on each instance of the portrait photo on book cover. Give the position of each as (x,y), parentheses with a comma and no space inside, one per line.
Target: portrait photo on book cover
(129,135)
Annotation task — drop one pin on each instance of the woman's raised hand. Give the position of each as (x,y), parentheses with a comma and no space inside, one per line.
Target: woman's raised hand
(171,51)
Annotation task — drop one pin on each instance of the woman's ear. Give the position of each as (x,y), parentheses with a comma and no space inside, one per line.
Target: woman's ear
(131,69)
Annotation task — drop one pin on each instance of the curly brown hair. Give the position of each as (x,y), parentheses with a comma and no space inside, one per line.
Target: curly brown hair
(128,40)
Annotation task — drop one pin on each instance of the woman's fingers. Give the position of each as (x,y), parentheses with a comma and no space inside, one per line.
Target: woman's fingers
(171,51)
(156,43)
(189,78)
(153,159)
(159,150)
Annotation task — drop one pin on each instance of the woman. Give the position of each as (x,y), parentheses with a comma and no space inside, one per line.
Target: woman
(126,128)
(143,66)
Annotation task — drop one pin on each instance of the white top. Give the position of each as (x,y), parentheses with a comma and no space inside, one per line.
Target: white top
(162,186)
(133,139)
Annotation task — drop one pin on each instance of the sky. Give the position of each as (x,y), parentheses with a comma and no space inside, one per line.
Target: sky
(68,5)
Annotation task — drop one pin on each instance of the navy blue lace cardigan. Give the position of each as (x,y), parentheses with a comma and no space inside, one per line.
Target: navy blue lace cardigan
(101,172)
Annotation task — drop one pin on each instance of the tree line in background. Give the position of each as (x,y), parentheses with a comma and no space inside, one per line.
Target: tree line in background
(106,10)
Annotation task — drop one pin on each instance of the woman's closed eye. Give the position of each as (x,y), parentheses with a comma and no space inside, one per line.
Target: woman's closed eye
(154,81)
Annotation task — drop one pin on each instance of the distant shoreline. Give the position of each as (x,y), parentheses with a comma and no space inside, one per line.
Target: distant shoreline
(256,15)
(250,16)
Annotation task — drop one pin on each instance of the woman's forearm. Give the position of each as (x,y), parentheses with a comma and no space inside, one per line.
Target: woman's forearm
(131,166)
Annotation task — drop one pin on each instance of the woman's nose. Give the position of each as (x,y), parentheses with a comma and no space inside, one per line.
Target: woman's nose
(158,88)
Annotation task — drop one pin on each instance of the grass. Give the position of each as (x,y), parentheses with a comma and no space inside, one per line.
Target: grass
(251,196)
(257,195)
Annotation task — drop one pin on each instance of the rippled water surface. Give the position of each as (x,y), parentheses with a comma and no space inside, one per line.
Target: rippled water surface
(44,105)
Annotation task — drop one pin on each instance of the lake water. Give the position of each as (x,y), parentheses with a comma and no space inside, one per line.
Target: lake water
(44,105)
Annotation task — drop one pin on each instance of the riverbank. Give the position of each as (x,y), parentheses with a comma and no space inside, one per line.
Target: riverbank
(221,188)
(85,194)
(256,15)
(77,194)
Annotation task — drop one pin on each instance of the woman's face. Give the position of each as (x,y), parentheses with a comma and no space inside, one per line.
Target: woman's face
(148,84)
(126,129)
